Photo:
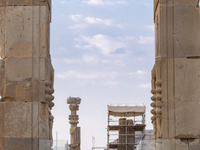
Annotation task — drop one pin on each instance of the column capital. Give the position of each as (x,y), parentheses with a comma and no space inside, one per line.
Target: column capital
(73,100)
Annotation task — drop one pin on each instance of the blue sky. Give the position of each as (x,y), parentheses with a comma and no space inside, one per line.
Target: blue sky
(103,52)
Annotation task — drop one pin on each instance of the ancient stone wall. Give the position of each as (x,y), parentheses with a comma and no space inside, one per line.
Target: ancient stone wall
(26,74)
(176,74)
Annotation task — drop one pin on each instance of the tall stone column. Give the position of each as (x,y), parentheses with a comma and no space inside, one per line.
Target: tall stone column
(73,120)
(130,135)
(176,74)
(26,75)
(122,133)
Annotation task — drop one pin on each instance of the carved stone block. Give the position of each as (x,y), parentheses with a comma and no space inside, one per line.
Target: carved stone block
(187,31)
(32,117)
(32,36)
(187,121)
(187,78)
(18,69)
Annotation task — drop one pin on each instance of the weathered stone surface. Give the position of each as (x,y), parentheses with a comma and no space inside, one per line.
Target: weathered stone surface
(2,76)
(25,3)
(2,143)
(26,75)
(75,138)
(162,145)
(2,31)
(122,130)
(44,128)
(22,91)
(187,122)
(18,69)
(32,117)
(176,75)
(2,122)
(16,114)
(194,144)
(25,69)
(27,91)
(186,31)
(187,76)
(186,3)
(131,134)
(32,36)
(180,145)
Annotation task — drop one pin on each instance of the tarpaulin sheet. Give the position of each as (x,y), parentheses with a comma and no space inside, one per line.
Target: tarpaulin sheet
(126,110)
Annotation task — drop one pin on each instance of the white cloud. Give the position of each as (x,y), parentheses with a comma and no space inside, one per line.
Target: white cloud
(83,21)
(117,62)
(146,40)
(95,2)
(72,61)
(137,74)
(105,2)
(151,27)
(93,20)
(140,72)
(145,86)
(90,58)
(87,58)
(75,17)
(122,2)
(87,76)
(63,1)
(80,26)
(104,43)
(110,82)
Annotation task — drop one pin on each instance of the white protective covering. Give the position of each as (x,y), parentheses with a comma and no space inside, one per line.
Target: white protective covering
(126,110)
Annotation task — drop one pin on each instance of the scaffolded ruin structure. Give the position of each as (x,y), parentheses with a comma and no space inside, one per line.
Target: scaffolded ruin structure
(123,121)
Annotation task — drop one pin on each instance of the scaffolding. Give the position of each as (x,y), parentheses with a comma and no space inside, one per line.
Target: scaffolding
(123,121)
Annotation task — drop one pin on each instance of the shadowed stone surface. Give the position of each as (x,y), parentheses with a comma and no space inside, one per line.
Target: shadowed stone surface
(26,75)
(176,74)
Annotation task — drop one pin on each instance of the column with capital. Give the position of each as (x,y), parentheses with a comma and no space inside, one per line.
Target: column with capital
(73,120)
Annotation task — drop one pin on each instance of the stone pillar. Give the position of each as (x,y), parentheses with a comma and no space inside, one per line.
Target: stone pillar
(176,74)
(73,120)
(122,133)
(26,75)
(130,135)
